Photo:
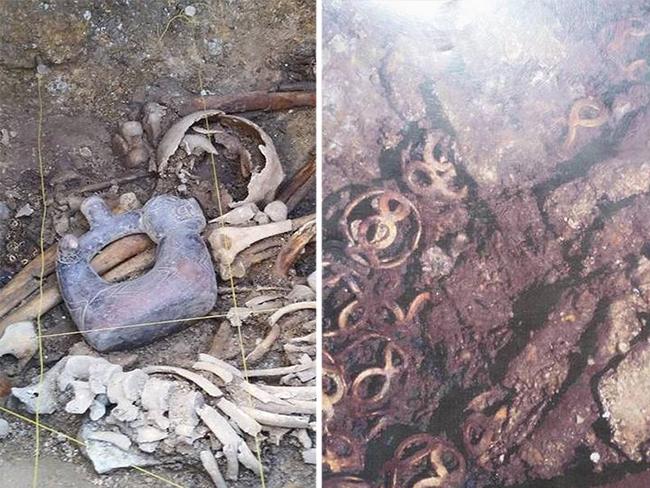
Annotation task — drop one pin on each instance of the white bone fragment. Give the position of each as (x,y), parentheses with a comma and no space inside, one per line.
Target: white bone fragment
(310,338)
(291,392)
(210,465)
(19,341)
(114,438)
(256,392)
(261,302)
(225,375)
(303,437)
(238,215)
(301,293)
(182,413)
(281,371)
(243,420)
(196,144)
(207,386)
(292,307)
(309,456)
(45,393)
(83,398)
(98,407)
(232,463)
(149,434)
(222,364)
(237,315)
(294,407)
(277,420)
(173,137)
(228,242)
(153,114)
(228,437)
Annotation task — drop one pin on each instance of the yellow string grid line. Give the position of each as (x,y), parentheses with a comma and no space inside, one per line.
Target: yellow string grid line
(215,178)
(79,443)
(161,322)
(41,278)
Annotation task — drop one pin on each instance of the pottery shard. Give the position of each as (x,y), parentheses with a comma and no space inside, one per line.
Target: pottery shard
(624,395)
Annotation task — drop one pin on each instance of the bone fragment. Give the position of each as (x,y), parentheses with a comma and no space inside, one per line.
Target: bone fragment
(277,420)
(244,420)
(228,437)
(19,341)
(210,465)
(280,371)
(207,386)
(265,345)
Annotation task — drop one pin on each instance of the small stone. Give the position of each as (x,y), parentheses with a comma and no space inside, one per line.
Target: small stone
(190,11)
(595,457)
(137,156)
(85,152)
(215,47)
(74,202)
(5,213)
(277,211)
(623,347)
(61,224)
(128,201)
(311,281)
(4,137)
(87,15)
(4,428)
(131,129)
(25,211)
(309,456)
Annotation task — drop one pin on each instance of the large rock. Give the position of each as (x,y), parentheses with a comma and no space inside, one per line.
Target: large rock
(624,395)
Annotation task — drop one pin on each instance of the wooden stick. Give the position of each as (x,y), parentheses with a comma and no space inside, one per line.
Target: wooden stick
(126,254)
(293,248)
(26,281)
(294,190)
(252,101)
(115,181)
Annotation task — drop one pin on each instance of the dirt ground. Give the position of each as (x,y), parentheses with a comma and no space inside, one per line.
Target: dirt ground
(99,65)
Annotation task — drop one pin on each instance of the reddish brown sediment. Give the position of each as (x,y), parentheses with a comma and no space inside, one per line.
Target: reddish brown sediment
(486,247)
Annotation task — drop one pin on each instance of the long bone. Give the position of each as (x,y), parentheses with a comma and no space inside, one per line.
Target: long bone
(228,242)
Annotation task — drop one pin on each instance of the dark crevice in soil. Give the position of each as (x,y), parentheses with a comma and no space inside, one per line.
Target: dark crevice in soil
(530,312)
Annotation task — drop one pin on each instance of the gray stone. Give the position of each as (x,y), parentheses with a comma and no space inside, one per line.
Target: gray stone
(106,456)
(4,428)
(277,211)
(624,395)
